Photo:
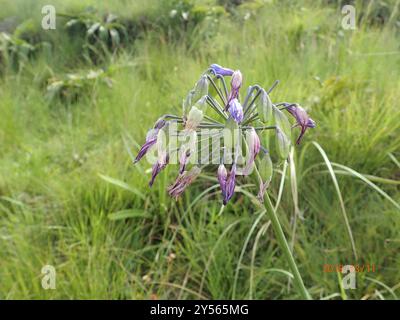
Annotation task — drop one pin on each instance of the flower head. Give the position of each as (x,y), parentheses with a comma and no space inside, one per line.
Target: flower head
(218,70)
(183,180)
(236,110)
(229,122)
(302,118)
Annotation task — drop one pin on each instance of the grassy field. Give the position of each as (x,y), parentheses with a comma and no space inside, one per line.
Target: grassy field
(66,173)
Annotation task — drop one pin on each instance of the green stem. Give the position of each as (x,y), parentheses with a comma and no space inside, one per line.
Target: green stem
(284,246)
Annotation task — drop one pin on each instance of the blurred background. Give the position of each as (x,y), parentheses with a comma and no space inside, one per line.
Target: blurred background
(75,105)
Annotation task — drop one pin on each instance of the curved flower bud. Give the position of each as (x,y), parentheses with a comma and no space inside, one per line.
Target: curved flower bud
(183,181)
(302,118)
(194,118)
(151,139)
(160,123)
(183,159)
(158,166)
(236,110)
(187,149)
(230,185)
(218,70)
(222,177)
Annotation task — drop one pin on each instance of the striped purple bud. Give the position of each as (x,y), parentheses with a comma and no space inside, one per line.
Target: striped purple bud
(151,139)
(302,118)
(161,163)
(183,181)
(218,70)
(183,160)
(230,185)
(236,110)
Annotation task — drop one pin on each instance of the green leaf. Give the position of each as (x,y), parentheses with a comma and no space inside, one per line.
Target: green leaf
(123,185)
(130,213)
(264,106)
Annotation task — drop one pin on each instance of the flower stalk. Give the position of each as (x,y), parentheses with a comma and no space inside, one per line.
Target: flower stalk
(284,246)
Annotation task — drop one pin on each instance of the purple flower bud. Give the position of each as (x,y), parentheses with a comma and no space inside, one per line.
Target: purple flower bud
(183,181)
(183,159)
(230,185)
(236,83)
(311,123)
(158,166)
(222,177)
(254,148)
(218,70)
(236,110)
(160,123)
(151,139)
(302,118)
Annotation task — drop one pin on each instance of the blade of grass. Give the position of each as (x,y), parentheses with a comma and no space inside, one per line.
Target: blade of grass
(123,185)
(368,182)
(336,184)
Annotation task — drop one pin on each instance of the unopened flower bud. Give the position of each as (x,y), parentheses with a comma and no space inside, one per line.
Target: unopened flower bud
(201,89)
(236,110)
(218,70)
(194,118)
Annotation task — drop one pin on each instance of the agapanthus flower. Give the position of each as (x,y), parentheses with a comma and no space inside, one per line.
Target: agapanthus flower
(302,118)
(236,110)
(241,122)
(218,70)
(183,180)
(151,139)
(161,163)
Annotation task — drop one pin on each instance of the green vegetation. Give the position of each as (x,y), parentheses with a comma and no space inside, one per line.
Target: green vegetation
(72,119)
